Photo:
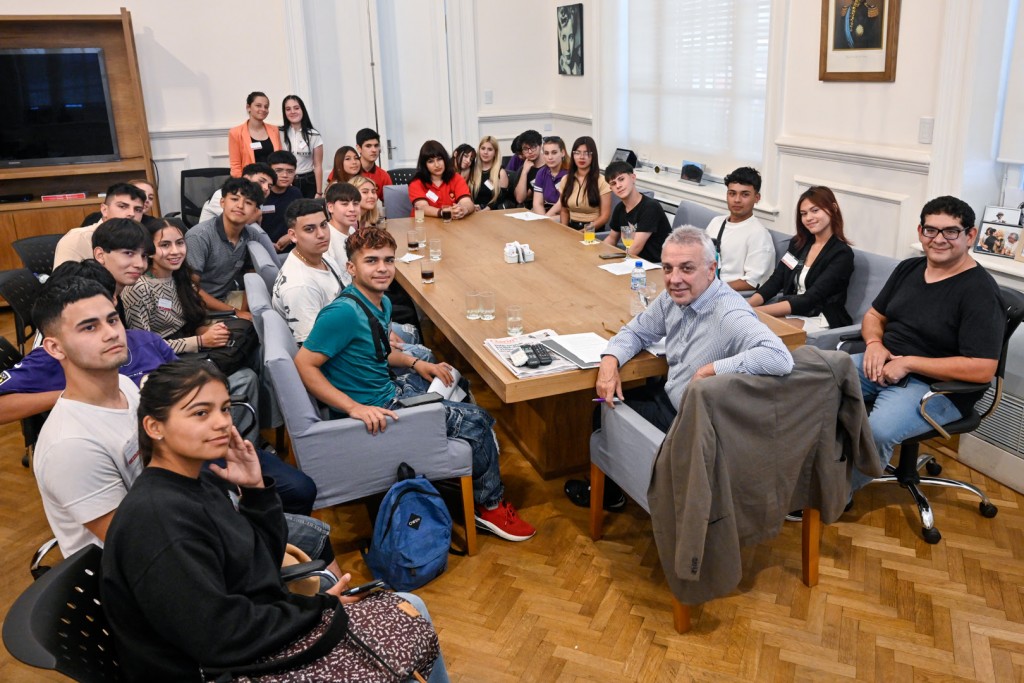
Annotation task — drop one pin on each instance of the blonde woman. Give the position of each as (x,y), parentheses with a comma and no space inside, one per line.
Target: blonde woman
(488,183)
(369,209)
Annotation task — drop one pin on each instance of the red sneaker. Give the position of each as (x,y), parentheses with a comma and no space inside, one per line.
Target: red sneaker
(504,521)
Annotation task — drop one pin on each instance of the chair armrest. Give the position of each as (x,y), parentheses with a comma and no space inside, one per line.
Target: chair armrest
(855,336)
(830,339)
(301,570)
(957,387)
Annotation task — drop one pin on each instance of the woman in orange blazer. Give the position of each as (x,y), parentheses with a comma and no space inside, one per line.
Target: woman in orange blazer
(253,140)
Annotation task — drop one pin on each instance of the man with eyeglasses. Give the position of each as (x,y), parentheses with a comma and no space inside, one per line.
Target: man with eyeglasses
(938,318)
(281,195)
(529,146)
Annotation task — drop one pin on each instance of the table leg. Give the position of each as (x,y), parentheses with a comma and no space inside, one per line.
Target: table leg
(552,433)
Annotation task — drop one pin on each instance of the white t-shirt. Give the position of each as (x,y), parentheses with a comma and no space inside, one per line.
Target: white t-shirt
(303,152)
(301,292)
(86,459)
(336,250)
(212,208)
(747,250)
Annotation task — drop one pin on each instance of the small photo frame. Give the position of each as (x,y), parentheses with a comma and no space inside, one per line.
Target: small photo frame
(999,239)
(692,172)
(1002,215)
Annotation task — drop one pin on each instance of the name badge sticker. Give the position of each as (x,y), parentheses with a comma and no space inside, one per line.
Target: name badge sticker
(268,208)
(488,184)
(256,145)
(165,304)
(431,195)
(789,260)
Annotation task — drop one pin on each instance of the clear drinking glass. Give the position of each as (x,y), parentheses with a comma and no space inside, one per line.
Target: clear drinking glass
(435,250)
(446,214)
(421,232)
(472,306)
(414,240)
(487,305)
(589,234)
(514,320)
(628,233)
(419,214)
(427,270)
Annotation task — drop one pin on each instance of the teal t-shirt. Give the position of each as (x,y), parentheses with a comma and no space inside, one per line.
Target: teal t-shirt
(342,333)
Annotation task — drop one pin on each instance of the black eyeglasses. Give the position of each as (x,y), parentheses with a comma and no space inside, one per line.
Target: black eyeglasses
(949,233)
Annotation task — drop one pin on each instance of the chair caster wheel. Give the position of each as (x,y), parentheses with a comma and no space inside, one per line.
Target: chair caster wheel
(987,510)
(24,461)
(934,469)
(931,536)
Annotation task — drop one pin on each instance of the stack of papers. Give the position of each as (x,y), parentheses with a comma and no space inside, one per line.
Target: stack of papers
(582,350)
(503,348)
(526,216)
(452,393)
(625,266)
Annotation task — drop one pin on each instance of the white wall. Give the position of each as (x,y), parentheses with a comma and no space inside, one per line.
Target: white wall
(859,138)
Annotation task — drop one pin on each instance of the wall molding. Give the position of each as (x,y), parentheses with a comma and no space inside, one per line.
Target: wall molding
(188,133)
(872,156)
(508,117)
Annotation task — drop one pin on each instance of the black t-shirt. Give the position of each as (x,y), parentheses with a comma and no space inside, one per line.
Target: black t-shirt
(263,151)
(647,216)
(273,219)
(959,316)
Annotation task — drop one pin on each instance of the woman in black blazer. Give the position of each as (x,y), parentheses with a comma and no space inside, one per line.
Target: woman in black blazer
(813,275)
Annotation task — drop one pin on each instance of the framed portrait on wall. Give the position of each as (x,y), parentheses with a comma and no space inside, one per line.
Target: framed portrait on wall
(998,239)
(858,40)
(569,23)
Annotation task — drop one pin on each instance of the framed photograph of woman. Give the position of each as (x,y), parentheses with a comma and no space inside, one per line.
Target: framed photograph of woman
(569,24)
(858,40)
(998,239)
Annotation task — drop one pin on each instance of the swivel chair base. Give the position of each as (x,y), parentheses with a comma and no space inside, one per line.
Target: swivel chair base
(906,473)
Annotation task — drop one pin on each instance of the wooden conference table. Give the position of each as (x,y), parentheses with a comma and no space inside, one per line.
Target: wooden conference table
(563,289)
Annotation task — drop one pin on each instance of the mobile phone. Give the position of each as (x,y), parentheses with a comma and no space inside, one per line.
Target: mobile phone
(365,588)
(420,400)
(613,255)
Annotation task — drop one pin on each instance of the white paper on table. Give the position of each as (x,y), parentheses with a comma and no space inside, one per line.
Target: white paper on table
(410,257)
(452,393)
(526,216)
(587,346)
(657,348)
(625,267)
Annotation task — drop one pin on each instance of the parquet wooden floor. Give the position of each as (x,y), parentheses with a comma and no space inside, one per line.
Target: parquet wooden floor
(560,607)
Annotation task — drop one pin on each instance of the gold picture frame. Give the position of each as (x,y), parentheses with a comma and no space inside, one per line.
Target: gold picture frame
(858,40)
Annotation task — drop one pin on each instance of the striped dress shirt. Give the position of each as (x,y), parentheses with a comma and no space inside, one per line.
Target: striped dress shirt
(717,327)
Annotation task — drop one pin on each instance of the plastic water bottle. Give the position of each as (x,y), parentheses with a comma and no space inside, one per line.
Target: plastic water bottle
(638,280)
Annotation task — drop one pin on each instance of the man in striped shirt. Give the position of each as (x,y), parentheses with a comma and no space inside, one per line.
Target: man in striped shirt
(708,328)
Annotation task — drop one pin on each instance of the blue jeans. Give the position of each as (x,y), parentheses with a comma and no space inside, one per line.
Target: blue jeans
(411,345)
(895,415)
(311,536)
(440,673)
(470,423)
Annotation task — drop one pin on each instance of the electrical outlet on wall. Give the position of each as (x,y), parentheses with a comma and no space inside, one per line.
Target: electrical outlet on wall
(547,127)
(925,130)
(488,97)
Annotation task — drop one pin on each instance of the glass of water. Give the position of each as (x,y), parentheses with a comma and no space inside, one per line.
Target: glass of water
(472,306)
(435,250)
(514,320)
(419,214)
(487,305)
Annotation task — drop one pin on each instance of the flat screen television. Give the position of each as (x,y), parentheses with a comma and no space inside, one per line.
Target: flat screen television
(55,108)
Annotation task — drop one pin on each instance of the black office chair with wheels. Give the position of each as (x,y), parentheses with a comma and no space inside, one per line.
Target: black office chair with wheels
(197,186)
(58,622)
(401,176)
(21,289)
(906,472)
(36,253)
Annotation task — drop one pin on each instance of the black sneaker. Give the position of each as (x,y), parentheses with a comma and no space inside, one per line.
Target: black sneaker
(578,491)
(795,516)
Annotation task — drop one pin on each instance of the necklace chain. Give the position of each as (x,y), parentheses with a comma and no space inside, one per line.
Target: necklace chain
(303,259)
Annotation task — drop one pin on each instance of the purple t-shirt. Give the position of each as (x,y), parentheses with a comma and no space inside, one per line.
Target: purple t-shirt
(514,164)
(548,184)
(39,372)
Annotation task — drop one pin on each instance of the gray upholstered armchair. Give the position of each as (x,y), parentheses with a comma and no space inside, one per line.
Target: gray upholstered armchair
(346,461)
(263,263)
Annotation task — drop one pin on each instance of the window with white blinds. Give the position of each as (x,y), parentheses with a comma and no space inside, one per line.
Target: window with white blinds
(696,81)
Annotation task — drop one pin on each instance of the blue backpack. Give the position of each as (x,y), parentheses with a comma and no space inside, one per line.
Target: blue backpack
(412,535)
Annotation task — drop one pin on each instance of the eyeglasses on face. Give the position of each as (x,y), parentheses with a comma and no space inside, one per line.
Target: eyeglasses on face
(950,234)
(581,153)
